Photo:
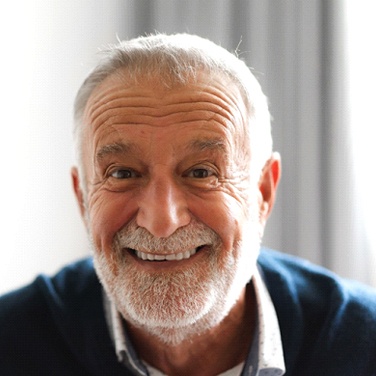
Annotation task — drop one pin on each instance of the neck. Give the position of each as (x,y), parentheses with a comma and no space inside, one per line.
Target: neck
(216,350)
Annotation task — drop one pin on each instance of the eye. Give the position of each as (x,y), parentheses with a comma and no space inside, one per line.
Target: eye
(200,173)
(202,176)
(123,173)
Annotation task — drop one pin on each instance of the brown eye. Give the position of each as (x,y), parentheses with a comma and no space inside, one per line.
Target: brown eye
(123,173)
(200,173)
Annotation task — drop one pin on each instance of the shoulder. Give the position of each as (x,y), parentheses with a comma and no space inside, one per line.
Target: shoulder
(304,281)
(69,283)
(41,323)
(324,319)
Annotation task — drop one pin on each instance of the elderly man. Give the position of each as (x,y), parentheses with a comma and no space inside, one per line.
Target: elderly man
(176,178)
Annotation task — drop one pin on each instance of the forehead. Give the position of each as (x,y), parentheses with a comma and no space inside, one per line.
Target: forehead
(204,105)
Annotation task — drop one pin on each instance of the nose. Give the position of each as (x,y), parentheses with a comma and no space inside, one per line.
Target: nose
(162,207)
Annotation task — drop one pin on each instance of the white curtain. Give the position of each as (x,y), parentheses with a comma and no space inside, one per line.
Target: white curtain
(360,57)
(300,50)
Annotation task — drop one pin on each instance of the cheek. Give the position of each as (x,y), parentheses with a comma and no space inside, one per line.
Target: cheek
(108,213)
(224,215)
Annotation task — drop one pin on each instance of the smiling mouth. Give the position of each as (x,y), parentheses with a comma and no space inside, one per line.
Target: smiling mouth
(171,257)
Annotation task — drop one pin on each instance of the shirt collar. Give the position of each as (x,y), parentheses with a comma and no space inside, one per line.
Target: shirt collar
(266,354)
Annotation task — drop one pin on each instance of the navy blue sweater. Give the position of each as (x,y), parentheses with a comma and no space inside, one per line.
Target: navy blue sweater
(56,326)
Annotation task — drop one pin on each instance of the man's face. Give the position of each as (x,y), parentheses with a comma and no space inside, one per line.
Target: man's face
(171,208)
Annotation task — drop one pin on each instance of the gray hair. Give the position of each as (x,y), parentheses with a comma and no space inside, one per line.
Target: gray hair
(178,59)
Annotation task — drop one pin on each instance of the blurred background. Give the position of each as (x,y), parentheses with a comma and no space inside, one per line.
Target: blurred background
(315,60)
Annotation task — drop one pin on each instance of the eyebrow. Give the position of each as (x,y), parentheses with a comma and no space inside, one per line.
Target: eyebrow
(116,148)
(207,144)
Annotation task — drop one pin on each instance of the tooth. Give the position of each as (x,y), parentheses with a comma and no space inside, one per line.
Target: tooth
(186,255)
(160,257)
(171,257)
(141,255)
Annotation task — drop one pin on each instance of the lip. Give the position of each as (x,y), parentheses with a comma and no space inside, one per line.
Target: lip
(153,265)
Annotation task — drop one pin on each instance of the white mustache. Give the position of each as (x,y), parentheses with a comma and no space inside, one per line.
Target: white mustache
(192,236)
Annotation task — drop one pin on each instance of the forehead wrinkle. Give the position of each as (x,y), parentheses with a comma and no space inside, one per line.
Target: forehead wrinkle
(134,104)
(112,117)
(102,109)
(228,100)
(205,103)
(115,97)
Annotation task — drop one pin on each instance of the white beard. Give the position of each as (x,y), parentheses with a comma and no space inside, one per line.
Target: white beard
(176,305)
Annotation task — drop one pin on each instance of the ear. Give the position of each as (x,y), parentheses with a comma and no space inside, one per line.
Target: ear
(268,186)
(78,192)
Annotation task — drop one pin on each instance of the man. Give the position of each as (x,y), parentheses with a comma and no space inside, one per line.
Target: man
(176,178)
